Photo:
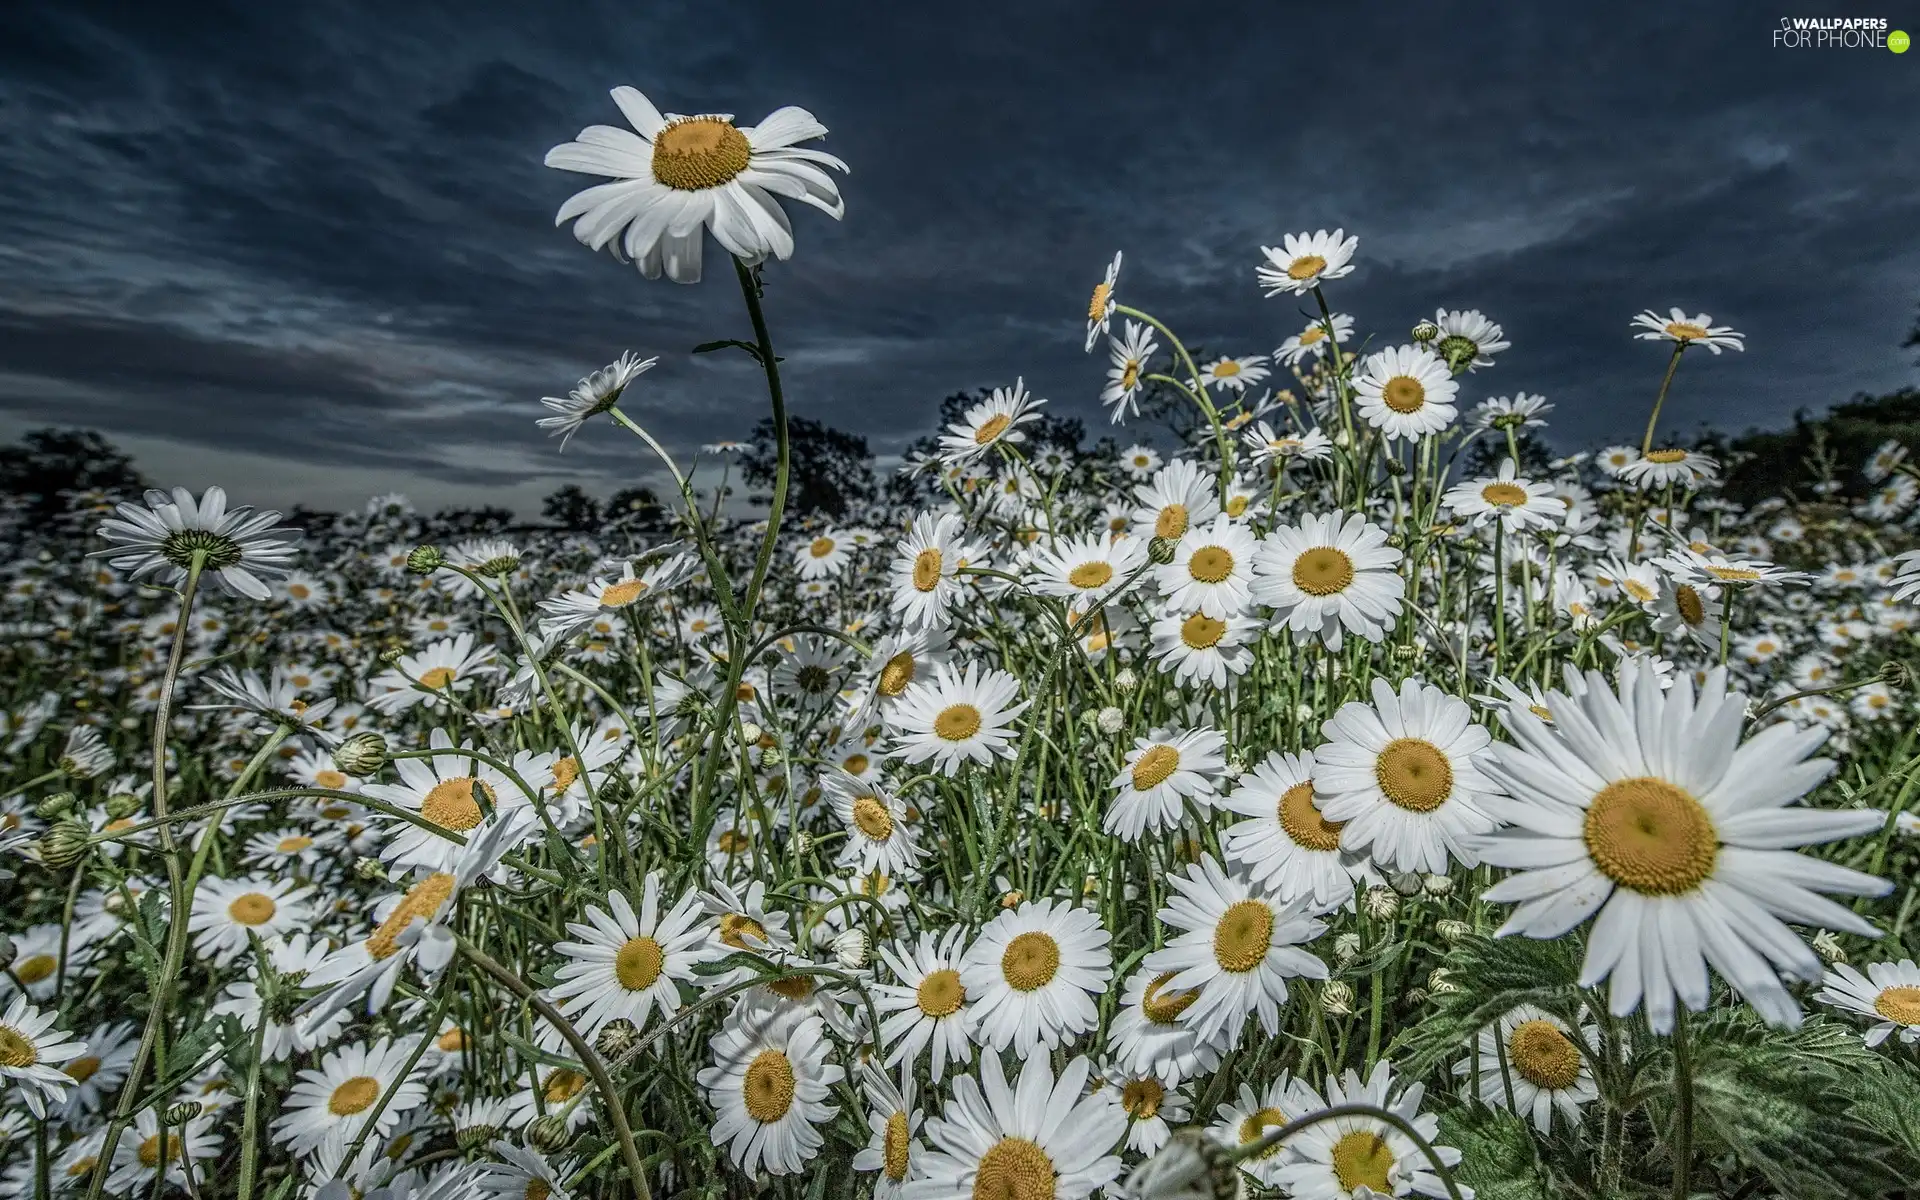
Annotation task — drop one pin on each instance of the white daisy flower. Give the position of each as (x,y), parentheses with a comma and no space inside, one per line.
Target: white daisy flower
(929,1007)
(1517,503)
(1359,1157)
(1402,775)
(1139,462)
(627,965)
(225,911)
(1684,330)
(592,396)
(1267,445)
(1405,392)
(679,175)
(344,1088)
(1528,1062)
(768,1088)
(954,717)
(1285,844)
(926,570)
(1330,575)
(993,422)
(879,836)
(1032,974)
(1238,947)
(1312,341)
(1100,307)
(1303,261)
(1160,776)
(442,791)
(1194,646)
(1234,374)
(426,678)
(1467,339)
(1128,355)
(1153,1105)
(293,956)
(31,1054)
(1150,1034)
(823,556)
(1253,1115)
(145,1153)
(1179,497)
(1645,806)
(1670,467)
(1085,570)
(1036,1138)
(521,1174)
(1888,994)
(243,551)
(1211,571)
(97,1073)
(894,1125)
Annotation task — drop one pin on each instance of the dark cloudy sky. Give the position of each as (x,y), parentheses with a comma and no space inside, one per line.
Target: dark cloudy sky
(307,250)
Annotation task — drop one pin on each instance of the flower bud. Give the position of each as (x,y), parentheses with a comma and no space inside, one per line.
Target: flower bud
(1346,947)
(1111,720)
(749,733)
(1439,983)
(1382,903)
(182,1112)
(616,1037)
(1437,885)
(1828,948)
(361,755)
(425,560)
(1161,550)
(1425,331)
(64,844)
(371,869)
(1405,882)
(1191,1166)
(1417,996)
(850,949)
(1336,997)
(1125,680)
(57,805)
(549,1134)
(1451,930)
(123,805)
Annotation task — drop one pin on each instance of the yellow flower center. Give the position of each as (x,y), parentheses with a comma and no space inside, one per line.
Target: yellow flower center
(565,772)
(732,842)
(1414,774)
(1685,331)
(1363,1157)
(637,963)
(1097,307)
(35,968)
(1900,1004)
(1255,1126)
(355,1095)
(1504,495)
(697,153)
(1650,836)
(957,722)
(1090,575)
(1403,394)
(1130,374)
(1210,564)
(452,1041)
(792,987)
(940,993)
(253,908)
(1639,591)
(1142,1097)
(1734,574)
(82,1166)
(1687,601)
(15,1048)
(1160,1007)
(995,426)
(1243,936)
(1201,632)
(537,1189)
(1226,368)
(437,677)
(1544,1055)
(737,928)
(1237,505)
(897,674)
(1666,456)
(821,547)
(1151,769)
(893,1147)
(421,902)
(451,805)
(563,1085)
(1014,1168)
(1323,571)
(926,569)
(1303,823)
(872,818)
(293,845)
(1030,961)
(767,1090)
(1306,267)
(619,595)
(1311,335)
(159,1148)
(82,1069)
(1172,521)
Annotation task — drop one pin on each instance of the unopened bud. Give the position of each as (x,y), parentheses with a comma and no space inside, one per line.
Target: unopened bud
(1896,674)
(1346,947)
(57,805)
(749,733)
(1439,983)
(1336,997)
(425,560)
(1161,550)
(123,805)
(549,1134)
(850,949)
(1405,882)
(1125,680)
(1451,930)
(1425,331)
(361,755)
(1827,947)
(1382,903)
(1437,885)
(64,843)
(616,1037)
(371,869)
(475,1137)
(182,1112)
(1417,996)
(1110,720)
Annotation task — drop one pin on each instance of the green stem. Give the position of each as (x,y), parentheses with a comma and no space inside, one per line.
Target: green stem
(1653,418)
(1683,1112)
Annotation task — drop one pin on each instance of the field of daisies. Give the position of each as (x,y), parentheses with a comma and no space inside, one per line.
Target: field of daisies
(1327,805)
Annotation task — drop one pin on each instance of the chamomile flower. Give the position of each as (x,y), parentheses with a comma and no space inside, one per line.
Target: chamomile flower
(1153,1105)
(1669,467)
(768,1086)
(1403,777)
(1194,646)
(1211,571)
(1100,307)
(1139,462)
(1467,339)
(626,965)
(1355,1157)
(1328,576)
(995,421)
(1252,1115)
(1179,497)
(955,717)
(32,1052)
(1265,444)
(1085,570)
(147,1152)
(1285,845)
(894,1123)
(822,556)
(1528,1062)
(445,791)
(928,1010)
(1688,609)
(1302,261)
(926,571)
(521,1174)
(1032,974)
(1160,776)
(1683,330)
(292,959)
(243,551)
(1645,806)
(1038,1137)
(342,1090)
(1888,995)
(427,678)
(226,911)
(1312,341)
(96,1074)
(592,396)
(1234,375)
(675,177)
(1238,946)
(1150,1032)
(1405,392)
(1514,501)
(1128,355)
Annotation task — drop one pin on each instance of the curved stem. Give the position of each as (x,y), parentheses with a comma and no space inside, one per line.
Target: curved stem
(1653,418)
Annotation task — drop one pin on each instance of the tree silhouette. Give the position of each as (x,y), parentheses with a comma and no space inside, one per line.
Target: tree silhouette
(47,463)
(571,508)
(636,508)
(830,470)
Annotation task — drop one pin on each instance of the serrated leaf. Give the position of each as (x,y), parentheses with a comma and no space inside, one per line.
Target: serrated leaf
(1498,1159)
(737,960)
(1494,975)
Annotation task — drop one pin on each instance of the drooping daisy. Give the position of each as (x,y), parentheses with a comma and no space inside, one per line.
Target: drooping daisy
(1467,339)
(31,1054)
(1692,610)
(1403,776)
(768,1086)
(993,422)
(1085,570)
(954,717)
(1645,805)
(1265,444)
(627,965)
(1517,503)
(1303,260)
(1354,1157)
(592,396)
(225,911)
(898,661)
(426,678)
(1670,467)
(926,570)
(742,921)
(1179,497)
(1330,575)
(894,1124)
(678,176)
(242,550)
(1194,646)
(1150,1034)
(341,1091)
(1129,355)
(1238,947)
(1036,1138)
(929,1006)
(1100,307)
(442,790)
(1211,571)
(1312,341)
(1234,374)
(1160,776)
(1405,392)
(1888,994)
(1285,844)
(1545,1071)
(1682,330)
(1032,974)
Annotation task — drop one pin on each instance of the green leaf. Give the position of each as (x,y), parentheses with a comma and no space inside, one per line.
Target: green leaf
(1498,1159)
(1495,975)
(735,961)
(734,344)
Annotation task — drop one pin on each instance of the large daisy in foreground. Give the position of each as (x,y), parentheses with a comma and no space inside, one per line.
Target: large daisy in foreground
(679,175)
(1036,1138)
(1646,807)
